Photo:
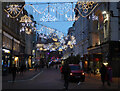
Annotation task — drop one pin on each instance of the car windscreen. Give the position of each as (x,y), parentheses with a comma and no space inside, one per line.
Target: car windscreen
(75,67)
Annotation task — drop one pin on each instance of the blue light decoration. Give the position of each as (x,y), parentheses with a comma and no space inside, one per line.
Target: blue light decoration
(2,62)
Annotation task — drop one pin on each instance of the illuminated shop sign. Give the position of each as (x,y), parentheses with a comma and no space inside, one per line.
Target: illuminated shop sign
(6,51)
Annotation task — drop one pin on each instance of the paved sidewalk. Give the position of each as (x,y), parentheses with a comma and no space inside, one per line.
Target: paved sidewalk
(28,74)
(115,80)
(98,77)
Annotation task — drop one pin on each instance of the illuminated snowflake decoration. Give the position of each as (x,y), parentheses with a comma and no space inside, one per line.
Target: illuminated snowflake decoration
(26,29)
(48,17)
(86,8)
(72,18)
(86,5)
(13,9)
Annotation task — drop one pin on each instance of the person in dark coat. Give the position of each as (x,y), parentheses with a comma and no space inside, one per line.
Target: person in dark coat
(109,75)
(21,70)
(14,70)
(89,71)
(103,72)
(66,74)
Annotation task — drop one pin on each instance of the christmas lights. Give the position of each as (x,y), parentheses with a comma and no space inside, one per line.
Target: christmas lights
(25,19)
(14,10)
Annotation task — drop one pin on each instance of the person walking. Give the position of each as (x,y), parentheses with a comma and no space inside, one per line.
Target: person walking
(66,74)
(109,75)
(14,70)
(89,71)
(103,72)
(36,67)
(21,70)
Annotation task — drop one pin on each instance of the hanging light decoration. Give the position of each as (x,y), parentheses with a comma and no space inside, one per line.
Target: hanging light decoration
(28,31)
(69,43)
(59,39)
(71,46)
(48,17)
(60,46)
(45,50)
(72,18)
(55,39)
(13,8)
(57,43)
(7,15)
(41,49)
(27,24)
(85,8)
(25,19)
(53,49)
(60,49)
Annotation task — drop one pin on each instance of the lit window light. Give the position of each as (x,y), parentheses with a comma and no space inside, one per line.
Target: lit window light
(104,12)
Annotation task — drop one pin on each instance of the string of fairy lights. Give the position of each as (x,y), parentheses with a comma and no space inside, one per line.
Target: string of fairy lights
(51,13)
(54,40)
(84,9)
(57,44)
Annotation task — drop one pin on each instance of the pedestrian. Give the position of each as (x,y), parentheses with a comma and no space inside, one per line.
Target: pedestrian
(109,75)
(14,70)
(66,74)
(21,69)
(47,64)
(89,71)
(62,76)
(36,67)
(56,66)
(103,72)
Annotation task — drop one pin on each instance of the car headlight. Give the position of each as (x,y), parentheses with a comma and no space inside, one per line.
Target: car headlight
(71,73)
(83,73)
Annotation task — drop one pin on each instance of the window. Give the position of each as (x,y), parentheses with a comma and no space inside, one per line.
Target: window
(75,67)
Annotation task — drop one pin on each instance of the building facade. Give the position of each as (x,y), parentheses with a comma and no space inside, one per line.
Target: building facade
(70,51)
(97,37)
(12,43)
(17,45)
(104,37)
(81,34)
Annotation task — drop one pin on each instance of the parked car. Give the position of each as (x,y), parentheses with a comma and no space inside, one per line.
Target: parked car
(77,72)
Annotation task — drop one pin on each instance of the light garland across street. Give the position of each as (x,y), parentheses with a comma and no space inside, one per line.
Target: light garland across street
(84,9)
(52,12)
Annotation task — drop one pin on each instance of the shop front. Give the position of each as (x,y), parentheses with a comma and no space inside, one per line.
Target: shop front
(107,53)
(95,59)
(16,61)
(8,59)
(16,58)
(95,63)
(6,54)
(28,61)
(85,62)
